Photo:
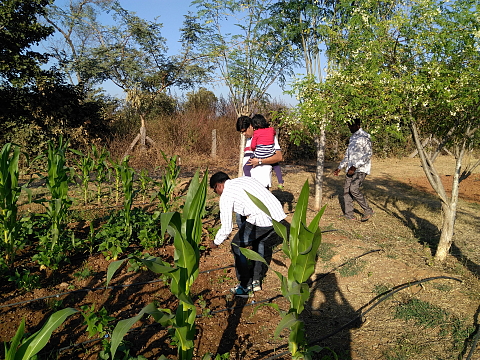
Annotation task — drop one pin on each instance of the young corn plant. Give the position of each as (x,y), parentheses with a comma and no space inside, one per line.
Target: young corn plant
(186,228)
(145,184)
(127,175)
(86,166)
(20,348)
(57,206)
(168,182)
(300,244)
(115,235)
(101,169)
(10,192)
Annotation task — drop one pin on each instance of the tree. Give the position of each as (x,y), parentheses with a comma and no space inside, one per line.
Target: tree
(203,100)
(131,53)
(36,103)
(307,26)
(245,49)
(416,69)
(19,30)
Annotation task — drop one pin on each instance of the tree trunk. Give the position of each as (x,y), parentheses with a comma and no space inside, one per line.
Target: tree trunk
(320,149)
(449,205)
(240,160)
(450,210)
(446,236)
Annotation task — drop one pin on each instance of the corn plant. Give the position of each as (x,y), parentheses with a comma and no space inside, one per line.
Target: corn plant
(127,175)
(116,164)
(145,184)
(86,165)
(186,229)
(10,192)
(168,182)
(115,235)
(101,169)
(300,244)
(57,179)
(25,349)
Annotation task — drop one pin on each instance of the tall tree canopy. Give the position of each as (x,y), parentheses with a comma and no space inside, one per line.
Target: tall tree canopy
(419,67)
(19,30)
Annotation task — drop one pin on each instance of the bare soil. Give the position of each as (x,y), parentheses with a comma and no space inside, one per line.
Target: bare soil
(359,261)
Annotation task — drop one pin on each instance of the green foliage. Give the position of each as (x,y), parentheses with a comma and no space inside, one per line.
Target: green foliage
(19,30)
(300,245)
(352,268)
(202,99)
(168,182)
(10,191)
(54,244)
(25,349)
(325,251)
(86,166)
(96,321)
(249,58)
(430,316)
(24,280)
(101,169)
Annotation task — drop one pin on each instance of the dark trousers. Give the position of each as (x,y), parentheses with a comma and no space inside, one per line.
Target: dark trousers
(256,237)
(351,191)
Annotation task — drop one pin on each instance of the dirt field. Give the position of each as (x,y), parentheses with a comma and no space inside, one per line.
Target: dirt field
(358,263)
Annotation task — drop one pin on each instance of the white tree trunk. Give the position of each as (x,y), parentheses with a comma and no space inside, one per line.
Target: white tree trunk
(320,150)
(240,160)
(450,210)
(449,205)
(446,236)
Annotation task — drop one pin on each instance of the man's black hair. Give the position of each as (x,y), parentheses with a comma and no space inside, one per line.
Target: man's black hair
(259,122)
(218,178)
(243,123)
(355,121)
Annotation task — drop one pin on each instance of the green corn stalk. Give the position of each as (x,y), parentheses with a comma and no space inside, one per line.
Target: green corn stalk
(25,349)
(300,244)
(57,184)
(187,231)
(10,192)
(118,179)
(101,169)
(127,175)
(168,182)
(144,180)
(86,165)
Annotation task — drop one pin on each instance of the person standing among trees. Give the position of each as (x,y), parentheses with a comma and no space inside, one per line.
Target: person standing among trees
(256,231)
(358,162)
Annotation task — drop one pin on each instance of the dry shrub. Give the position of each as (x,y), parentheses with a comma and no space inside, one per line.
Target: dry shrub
(188,135)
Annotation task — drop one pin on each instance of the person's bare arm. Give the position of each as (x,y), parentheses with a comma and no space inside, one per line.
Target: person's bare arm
(277,157)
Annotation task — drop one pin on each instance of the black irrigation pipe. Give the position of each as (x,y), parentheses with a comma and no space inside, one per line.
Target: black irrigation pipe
(474,344)
(378,299)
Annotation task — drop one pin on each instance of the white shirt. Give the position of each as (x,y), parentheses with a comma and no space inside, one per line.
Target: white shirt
(235,199)
(359,152)
(262,173)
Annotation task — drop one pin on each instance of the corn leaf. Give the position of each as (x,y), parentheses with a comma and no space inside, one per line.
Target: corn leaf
(11,350)
(38,340)
(112,269)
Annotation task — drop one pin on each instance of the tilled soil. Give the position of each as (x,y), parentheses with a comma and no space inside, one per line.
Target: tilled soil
(345,314)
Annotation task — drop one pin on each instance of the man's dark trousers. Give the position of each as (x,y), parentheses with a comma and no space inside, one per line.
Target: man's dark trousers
(256,237)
